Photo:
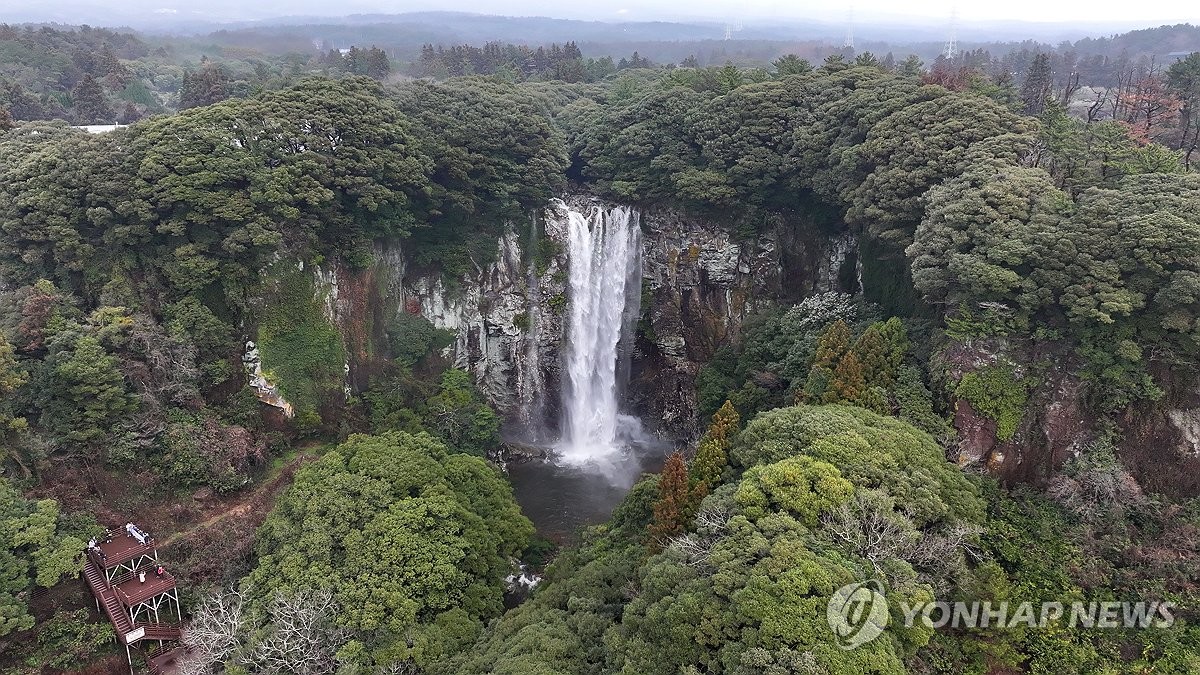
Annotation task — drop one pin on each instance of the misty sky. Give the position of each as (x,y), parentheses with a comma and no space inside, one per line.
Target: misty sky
(864,11)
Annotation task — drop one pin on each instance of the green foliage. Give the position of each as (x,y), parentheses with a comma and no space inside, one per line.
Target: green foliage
(914,404)
(832,348)
(711,458)
(453,410)
(199,450)
(402,531)
(394,399)
(459,415)
(869,450)
(191,319)
(744,589)
(302,352)
(33,548)
(546,252)
(776,356)
(800,486)
(997,393)
(917,147)
(412,336)
(1112,267)
(69,640)
(87,396)
(494,153)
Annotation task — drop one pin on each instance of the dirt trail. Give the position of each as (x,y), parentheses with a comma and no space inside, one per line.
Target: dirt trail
(248,504)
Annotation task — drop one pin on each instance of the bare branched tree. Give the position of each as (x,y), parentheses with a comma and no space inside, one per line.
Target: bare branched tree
(1098,105)
(710,525)
(1095,485)
(304,638)
(215,632)
(869,527)
(938,555)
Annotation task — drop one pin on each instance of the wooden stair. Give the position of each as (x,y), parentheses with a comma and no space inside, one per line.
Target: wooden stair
(116,614)
(108,600)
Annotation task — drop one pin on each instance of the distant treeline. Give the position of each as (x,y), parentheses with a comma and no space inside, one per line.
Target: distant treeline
(557,62)
(99,76)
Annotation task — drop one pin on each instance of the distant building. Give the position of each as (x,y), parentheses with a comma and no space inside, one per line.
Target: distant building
(1179,56)
(101,128)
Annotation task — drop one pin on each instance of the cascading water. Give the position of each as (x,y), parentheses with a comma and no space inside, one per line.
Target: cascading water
(600,452)
(605,259)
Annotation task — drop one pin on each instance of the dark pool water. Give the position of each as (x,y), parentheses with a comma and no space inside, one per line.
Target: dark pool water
(561,499)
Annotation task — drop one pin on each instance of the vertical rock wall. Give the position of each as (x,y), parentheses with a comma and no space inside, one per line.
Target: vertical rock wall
(700,283)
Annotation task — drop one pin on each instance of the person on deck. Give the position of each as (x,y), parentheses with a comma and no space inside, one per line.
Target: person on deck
(159,571)
(141,576)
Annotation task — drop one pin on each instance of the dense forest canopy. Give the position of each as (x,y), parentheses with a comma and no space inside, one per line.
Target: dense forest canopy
(137,266)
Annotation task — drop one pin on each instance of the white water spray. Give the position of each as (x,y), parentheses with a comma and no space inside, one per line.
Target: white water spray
(605,254)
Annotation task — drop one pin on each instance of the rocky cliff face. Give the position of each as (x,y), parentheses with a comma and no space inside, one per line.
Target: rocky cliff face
(699,285)
(1158,442)
(1054,424)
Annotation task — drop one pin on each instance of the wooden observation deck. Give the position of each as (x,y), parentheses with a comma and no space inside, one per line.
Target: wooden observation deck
(135,608)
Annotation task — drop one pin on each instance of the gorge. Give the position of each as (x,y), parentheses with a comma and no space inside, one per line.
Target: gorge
(660,312)
(587,333)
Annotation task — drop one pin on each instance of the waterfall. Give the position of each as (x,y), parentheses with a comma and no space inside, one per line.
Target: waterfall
(605,259)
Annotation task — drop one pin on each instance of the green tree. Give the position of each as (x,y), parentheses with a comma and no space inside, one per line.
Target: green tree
(1035,90)
(90,102)
(801,486)
(55,185)
(919,146)
(881,349)
(13,426)
(32,550)
(911,66)
(866,448)
(790,64)
(711,460)
(459,415)
(832,346)
(88,401)
(408,536)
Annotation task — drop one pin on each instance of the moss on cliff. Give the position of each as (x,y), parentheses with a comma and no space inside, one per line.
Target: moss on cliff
(301,350)
(997,393)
